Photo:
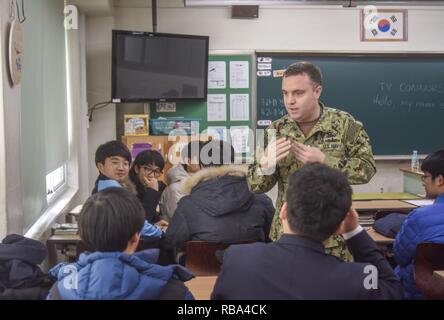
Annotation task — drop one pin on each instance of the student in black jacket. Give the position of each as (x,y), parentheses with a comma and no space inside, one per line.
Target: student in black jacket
(218,206)
(144,174)
(318,205)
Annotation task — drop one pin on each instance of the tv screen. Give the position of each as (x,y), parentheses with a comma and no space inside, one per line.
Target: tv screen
(159,67)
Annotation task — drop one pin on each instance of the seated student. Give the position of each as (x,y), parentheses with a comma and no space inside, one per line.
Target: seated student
(319,200)
(110,222)
(218,206)
(113,161)
(144,173)
(173,193)
(424,224)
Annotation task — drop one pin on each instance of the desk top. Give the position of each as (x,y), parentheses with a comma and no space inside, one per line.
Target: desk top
(439,274)
(409,170)
(75,211)
(385,196)
(382,205)
(379,238)
(201,287)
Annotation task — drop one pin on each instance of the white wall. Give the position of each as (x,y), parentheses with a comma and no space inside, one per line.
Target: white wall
(11,214)
(277,29)
(77,96)
(286,29)
(98,72)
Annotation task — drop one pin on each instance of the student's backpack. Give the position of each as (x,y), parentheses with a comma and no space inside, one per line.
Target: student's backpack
(390,224)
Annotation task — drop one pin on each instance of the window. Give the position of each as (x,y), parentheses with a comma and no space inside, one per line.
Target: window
(55,182)
(44,113)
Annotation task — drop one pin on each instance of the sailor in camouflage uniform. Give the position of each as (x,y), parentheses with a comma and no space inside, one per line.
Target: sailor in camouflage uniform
(310,132)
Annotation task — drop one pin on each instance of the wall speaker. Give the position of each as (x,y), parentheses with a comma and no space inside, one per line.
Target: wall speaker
(245,12)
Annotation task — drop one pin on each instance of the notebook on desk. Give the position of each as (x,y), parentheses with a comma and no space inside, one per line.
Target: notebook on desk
(65,228)
(421,202)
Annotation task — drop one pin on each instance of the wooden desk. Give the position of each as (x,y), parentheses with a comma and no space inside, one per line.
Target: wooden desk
(72,215)
(60,241)
(379,238)
(76,210)
(201,287)
(439,274)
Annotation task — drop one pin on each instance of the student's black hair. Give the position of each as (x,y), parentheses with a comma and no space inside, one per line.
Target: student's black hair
(318,198)
(112,149)
(147,157)
(310,69)
(434,164)
(216,153)
(109,219)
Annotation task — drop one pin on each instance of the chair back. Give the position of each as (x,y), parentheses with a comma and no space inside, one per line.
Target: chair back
(429,257)
(201,257)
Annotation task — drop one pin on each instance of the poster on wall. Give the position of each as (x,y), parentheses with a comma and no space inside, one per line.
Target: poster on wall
(239,107)
(217,107)
(217,75)
(239,77)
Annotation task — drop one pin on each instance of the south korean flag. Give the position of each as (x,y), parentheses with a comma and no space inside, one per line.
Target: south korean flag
(383,25)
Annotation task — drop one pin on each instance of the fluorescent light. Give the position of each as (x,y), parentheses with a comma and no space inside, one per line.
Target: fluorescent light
(223,3)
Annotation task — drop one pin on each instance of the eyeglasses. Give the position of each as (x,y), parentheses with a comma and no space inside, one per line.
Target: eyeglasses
(150,170)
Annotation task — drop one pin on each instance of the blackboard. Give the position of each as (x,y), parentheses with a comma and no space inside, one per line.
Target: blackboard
(398,97)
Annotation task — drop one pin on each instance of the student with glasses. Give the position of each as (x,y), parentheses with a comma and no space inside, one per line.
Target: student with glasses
(145,173)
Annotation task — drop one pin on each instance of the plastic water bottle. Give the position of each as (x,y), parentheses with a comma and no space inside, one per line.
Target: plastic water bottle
(415,161)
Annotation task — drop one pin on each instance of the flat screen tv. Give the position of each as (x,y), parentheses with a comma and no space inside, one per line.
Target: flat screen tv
(158,67)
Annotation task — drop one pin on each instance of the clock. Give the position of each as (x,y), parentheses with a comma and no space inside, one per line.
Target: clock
(16,52)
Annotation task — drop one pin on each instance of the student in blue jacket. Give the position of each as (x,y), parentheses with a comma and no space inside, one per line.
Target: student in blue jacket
(424,224)
(113,160)
(110,222)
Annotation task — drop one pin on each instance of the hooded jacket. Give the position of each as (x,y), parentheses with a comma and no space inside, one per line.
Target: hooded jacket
(219,207)
(115,275)
(173,193)
(20,275)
